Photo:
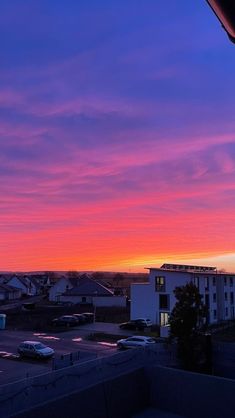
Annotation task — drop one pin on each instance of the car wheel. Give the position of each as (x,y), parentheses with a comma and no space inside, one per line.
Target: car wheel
(120,346)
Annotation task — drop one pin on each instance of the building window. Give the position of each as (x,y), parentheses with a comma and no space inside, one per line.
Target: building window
(83,299)
(231,281)
(226,311)
(160,284)
(214,297)
(231,298)
(196,281)
(206,283)
(225,296)
(214,281)
(215,313)
(164,318)
(207,301)
(164,302)
(225,280)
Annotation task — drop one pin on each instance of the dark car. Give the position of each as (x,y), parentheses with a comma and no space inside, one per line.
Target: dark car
(131,325)
(89,316)
(66,320)
(80,318)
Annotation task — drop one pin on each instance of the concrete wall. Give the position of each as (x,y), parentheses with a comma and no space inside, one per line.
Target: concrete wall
(32,392)
(120,397)
(223,360)
(190,394)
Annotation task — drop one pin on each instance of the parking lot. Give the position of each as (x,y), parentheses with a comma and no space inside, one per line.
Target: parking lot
(62,342)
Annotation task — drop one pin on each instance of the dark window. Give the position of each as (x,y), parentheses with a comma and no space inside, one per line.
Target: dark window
(206,283)
(225,296)
(231,281)
(225,280)
(226,311)
(84,299)
(207,301)
(214,297)
(214,281)
(215,313)
(163,301)
(160,284)
(231,298)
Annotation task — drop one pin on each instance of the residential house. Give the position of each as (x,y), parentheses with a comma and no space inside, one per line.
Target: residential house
(155,299)
(9,292)
(43,281)
(28,285)
(90,291)
(63,284)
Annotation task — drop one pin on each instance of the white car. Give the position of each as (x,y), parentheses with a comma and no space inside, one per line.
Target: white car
(35,349)
(135,341)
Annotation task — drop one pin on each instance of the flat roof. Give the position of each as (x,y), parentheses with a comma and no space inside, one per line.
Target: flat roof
(211,272)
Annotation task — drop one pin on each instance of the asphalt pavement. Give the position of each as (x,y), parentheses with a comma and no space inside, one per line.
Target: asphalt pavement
(66,342)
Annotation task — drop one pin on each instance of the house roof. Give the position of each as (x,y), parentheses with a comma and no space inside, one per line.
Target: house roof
(89,287)
(77,281)
(8,288)
(26,280)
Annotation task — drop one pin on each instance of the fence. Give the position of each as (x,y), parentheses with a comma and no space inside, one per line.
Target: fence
(28,393)
(66,360)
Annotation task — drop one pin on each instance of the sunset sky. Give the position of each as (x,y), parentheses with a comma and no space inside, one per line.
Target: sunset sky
(117,135)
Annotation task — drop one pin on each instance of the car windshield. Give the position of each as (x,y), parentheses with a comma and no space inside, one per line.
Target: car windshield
(40,346)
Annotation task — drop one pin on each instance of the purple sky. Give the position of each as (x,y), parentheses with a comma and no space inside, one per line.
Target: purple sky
(116,135)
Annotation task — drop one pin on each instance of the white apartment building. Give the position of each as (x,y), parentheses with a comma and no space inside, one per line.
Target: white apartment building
(155,299)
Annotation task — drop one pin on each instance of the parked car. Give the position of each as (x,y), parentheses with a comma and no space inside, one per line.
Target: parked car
(81,318)
(89,316)
(136,324)
(34,349)
(66,320)
(144,322)
(135,341)
(132,325)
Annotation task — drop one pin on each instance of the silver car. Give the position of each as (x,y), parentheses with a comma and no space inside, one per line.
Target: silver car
(135,341)
(35,349)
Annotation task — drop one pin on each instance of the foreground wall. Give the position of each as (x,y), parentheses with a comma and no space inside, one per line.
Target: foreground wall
(223,359)
(192,395)
(29,393)
(116,398)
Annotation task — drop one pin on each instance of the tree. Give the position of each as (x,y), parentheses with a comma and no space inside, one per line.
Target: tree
(186,321)
(118,278)
(72,274)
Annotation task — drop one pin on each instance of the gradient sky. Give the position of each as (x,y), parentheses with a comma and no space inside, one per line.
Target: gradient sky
(117,135)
